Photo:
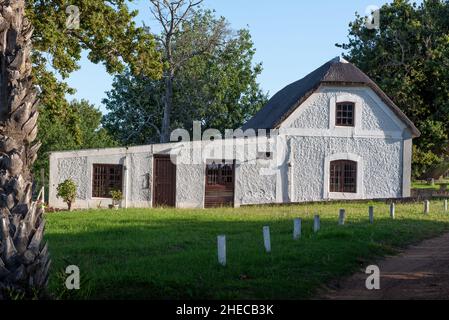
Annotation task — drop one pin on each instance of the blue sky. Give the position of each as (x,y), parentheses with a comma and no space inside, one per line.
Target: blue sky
(292,38)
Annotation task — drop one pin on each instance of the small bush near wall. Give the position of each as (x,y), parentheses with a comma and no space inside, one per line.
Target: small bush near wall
(67,191)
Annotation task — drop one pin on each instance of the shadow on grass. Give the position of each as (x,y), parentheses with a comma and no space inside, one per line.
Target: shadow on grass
(177,259)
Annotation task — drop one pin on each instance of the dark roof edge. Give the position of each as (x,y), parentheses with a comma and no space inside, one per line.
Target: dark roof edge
(295,106)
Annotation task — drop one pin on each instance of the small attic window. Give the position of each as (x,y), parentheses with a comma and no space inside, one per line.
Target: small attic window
(345,114)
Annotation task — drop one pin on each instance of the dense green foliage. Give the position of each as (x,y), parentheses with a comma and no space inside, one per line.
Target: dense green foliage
(55,133)
(409,58)
(67,191)
(217,87)
(172,254)
(109,34)
(107,31)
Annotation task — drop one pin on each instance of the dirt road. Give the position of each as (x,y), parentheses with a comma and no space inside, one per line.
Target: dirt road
(419,273)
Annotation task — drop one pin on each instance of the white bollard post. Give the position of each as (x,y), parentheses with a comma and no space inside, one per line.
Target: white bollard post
(427,207)
(371,214)
(297,229)
(342,217)
(392,211)
(445,205)
(221,244)
(316,224)
(266,239)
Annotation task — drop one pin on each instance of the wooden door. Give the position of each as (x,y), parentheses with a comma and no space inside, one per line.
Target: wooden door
(219,185)
(164,182)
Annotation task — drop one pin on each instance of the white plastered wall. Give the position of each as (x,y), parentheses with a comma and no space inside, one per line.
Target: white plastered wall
(376,143)
(308,141)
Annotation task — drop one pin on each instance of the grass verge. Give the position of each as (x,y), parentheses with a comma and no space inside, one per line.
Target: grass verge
(171,254)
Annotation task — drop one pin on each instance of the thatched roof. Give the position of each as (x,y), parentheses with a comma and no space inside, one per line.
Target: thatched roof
(335,72)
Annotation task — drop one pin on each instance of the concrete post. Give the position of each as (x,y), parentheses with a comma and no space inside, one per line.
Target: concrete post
(316,223)
(221,246)
(342,217)
(297,229)
(392,211)
(266,239)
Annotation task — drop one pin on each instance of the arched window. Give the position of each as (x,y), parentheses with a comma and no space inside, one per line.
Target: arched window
(343,176)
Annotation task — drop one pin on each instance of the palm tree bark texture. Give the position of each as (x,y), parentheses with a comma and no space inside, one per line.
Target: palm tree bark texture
(24,259)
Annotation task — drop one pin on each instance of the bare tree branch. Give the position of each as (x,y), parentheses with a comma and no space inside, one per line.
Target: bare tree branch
(179,47)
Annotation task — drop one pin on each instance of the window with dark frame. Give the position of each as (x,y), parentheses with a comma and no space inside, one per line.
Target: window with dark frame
(343,176)
(345,114)
(106,178)
(220,174)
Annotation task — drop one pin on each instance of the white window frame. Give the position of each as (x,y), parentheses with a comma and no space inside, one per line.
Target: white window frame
(358,110)
(343,195)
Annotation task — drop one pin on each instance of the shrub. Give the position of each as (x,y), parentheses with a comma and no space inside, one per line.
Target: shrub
(116,195)
(67,191)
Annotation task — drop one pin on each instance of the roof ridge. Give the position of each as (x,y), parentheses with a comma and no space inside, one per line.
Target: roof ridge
(330,63)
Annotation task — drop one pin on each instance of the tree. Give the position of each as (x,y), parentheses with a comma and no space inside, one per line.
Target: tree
(172,15)
(135,109)
(67,191)
(409,58)
(24,260)
(79,128)
(108,33)
(218,87)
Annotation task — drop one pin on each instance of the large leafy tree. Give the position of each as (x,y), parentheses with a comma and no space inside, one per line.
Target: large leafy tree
(409,58)
(217,87)
(89,133)
(108,33)
(185,36)
(135,109)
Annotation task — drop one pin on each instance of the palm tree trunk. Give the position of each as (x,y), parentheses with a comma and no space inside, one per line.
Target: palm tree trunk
(24,259)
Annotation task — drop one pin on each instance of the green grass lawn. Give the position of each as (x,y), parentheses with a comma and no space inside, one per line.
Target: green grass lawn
(424,185)
(172,254)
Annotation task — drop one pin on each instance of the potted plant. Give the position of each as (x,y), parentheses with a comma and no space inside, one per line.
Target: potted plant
(117,197)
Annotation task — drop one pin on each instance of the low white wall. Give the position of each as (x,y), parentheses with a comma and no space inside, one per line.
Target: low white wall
(78,165)
(250,187)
